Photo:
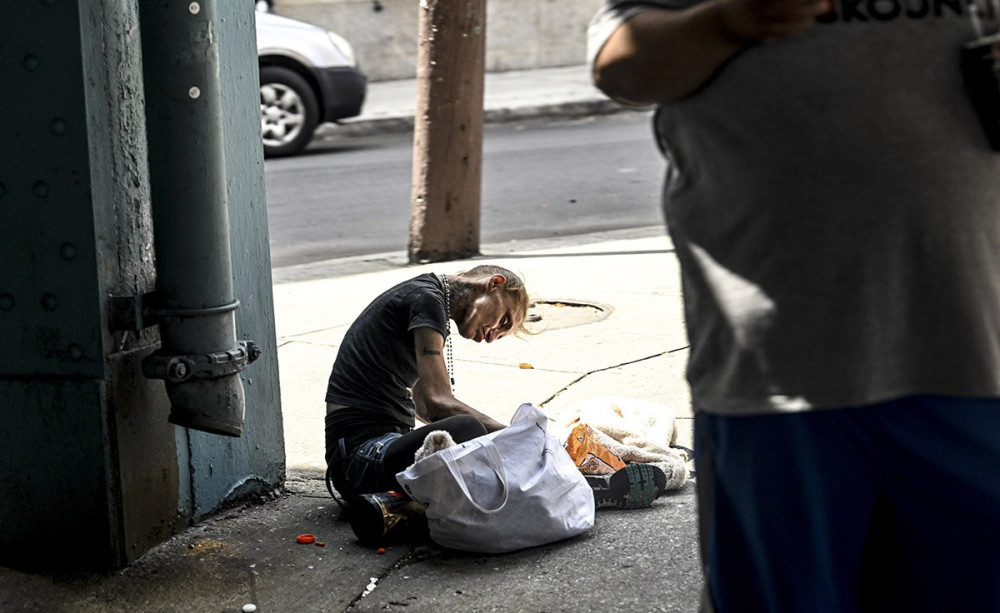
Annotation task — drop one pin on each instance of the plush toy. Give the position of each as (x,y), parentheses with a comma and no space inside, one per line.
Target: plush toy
(434,442)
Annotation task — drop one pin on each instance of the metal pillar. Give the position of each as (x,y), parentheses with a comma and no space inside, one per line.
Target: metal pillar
(448,131)
(194,302)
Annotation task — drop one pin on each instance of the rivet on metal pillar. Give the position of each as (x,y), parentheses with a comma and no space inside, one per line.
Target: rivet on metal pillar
(194,304)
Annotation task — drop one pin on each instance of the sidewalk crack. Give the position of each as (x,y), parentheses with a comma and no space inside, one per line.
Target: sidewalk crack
(416,554)
(613,366)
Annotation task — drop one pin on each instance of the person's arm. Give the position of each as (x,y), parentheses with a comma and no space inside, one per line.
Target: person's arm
(661,55)
(432,391)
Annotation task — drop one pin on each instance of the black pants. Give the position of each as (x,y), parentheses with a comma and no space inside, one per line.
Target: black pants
(371,465)
(400,453)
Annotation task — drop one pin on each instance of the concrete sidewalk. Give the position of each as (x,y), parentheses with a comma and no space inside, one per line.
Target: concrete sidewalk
(629,342)
(612,323)
(624,338)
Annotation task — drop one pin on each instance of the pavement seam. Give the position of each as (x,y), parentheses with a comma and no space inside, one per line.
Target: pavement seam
(606,368)
(295,335)
(309,343)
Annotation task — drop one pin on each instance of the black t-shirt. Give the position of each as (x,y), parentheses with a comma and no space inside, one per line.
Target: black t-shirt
(376,364)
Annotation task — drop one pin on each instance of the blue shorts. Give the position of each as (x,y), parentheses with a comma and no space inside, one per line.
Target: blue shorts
(890,507)
(363,470)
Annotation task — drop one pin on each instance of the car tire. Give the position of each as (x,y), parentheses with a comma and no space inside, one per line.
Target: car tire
(289,111)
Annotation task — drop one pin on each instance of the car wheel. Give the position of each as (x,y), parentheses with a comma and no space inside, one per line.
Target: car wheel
(289,111)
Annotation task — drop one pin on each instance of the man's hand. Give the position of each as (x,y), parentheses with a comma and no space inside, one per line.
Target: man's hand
(753,21)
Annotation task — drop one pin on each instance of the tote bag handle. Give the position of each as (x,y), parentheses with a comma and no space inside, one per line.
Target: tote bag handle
(494,461)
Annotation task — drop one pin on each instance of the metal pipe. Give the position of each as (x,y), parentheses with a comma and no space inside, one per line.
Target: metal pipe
(195,307)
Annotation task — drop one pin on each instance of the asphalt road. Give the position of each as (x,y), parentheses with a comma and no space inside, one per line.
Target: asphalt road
(541,179)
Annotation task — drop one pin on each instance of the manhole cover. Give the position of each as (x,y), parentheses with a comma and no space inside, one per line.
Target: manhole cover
(553,314)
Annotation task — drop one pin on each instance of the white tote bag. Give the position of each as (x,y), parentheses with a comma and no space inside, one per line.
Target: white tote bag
(507,490)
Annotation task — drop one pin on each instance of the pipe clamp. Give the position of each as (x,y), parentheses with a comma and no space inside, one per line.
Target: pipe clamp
(180,368)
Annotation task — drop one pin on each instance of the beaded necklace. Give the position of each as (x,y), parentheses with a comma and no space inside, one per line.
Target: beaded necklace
(447,339)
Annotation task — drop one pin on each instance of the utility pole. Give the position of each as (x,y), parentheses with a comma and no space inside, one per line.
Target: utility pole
(448,131)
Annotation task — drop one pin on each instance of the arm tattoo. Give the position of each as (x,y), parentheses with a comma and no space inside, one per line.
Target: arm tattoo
(429,351)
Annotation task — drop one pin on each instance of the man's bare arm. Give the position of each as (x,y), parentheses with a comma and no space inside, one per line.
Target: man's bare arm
(661,55)
(432,393)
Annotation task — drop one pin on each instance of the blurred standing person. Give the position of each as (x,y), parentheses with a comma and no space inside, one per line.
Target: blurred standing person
(835,207)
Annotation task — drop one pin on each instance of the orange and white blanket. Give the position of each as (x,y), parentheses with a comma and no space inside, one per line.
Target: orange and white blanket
(635,430)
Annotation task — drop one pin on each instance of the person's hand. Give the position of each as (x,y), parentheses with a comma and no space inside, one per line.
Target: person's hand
(756,21)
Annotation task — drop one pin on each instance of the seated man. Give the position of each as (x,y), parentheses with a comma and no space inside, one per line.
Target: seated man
(392,367)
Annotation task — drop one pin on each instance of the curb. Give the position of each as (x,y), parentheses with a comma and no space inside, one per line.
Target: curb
(376,262)
(388,124)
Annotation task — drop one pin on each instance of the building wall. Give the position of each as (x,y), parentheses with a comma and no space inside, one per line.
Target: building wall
(520,34)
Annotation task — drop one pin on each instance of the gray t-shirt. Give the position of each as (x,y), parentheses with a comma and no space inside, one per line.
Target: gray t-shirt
(836,212)
(376,364)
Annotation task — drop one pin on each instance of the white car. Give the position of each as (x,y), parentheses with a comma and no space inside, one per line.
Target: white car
(308,76)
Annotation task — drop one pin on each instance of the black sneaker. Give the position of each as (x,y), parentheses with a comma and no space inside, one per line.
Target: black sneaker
(634,487)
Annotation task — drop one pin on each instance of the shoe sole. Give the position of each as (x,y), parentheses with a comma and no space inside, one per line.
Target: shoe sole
(634,487)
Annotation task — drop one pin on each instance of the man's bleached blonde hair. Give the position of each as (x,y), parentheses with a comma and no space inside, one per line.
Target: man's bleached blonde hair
(514,287)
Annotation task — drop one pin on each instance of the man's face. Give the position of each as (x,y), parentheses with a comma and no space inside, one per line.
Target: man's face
(492,315)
